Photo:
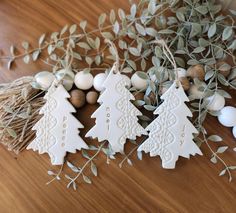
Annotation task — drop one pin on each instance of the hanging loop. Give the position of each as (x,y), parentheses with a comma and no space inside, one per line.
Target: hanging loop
(170,57)
(116,65)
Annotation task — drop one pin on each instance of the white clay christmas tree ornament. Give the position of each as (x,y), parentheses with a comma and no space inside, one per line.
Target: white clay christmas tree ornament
(57,131)
(116,118)
(171,133)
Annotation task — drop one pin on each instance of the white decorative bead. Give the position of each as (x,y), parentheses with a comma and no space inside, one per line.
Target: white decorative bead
(138,83)
(215,102)
(68,78)
(193,91)
(98,81)
(44,79)
(181,72)
(227,116)
(234,131)
(83,80)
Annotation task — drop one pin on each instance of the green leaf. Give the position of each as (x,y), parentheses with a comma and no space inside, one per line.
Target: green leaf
(166,31)
(199,49)
(152,7)
(107,35)
(85,154)
(202,9)
(203,42)
(212,30)
(133,10)
(72,167)
(41,39)
(102,19)
(84,45)
(51,173)
(140,29)
(151,31)
(35,55)
(232,167)
(224,93)
(129,162)
(134,51)
(215,138)
(94,169)
(149,107)
(26,59)
(225,67)
(12,132)
(73,28)
(195,29)
(9,64)
(222,149)
(127,70)
(227,33)
(180,16)
(64,29)
(213,160)
(121,14)
(112,16)
(86,179)
(233,45)
(12,50)
(142,75)
(116,27)
(222,172)
(83,25)
(25,45)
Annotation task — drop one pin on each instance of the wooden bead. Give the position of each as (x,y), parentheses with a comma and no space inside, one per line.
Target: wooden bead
(196,71)
(92,97)
(77,98)
(223,69)
(152,97)
(138,96)
(185,83)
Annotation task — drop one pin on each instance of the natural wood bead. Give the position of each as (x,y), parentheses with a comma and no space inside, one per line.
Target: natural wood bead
(196,71)
(92,97)
(185,83)
(77,98)
(138,96)
(152,97)
(224,72)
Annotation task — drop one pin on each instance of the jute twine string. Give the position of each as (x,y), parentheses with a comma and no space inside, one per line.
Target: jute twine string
(170,57)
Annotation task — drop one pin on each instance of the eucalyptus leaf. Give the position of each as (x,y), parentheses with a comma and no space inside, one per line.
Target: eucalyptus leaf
(212,30)
(227,33)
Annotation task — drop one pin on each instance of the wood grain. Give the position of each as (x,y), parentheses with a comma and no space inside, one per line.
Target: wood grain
(193,187)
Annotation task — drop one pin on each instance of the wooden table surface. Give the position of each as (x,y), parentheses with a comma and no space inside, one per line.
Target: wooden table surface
(194,186)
